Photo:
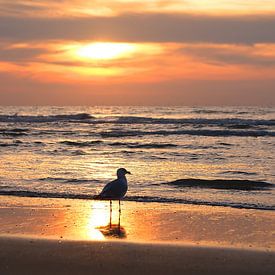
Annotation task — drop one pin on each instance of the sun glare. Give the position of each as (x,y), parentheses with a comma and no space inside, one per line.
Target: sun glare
(104,50)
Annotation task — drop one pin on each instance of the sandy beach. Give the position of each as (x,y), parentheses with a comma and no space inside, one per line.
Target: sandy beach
(26,256)
(63,236)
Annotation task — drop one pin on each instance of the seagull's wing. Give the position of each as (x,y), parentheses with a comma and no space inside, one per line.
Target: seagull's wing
(109,190)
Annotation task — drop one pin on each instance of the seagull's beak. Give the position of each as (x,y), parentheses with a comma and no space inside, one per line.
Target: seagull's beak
(129,173)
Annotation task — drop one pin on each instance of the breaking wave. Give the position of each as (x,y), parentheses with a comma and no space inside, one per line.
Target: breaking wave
(80,143)
(68,180)
(201,121)
(14,132)
(42,119)
(222,133)
(148,199)
(246,185)
(87,118)
(145,145)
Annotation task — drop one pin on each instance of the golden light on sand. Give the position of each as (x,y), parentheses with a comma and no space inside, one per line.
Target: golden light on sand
(95,234)
(105,50)
(98,216)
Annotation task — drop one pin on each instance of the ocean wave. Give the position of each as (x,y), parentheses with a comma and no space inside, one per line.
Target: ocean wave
(196,121)
(8,144)
(66,152)
(87,118)
(232,111)
(201,202)
(239,173)
(209,111)
(14,132)
(245,185)
(148,199)
(43,119)
(118,144)
(68,180)
(223,133)
(81,143)
(225,144)
(144,145)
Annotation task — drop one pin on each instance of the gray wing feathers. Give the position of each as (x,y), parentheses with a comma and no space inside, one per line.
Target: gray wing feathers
(107,190)
(114,189)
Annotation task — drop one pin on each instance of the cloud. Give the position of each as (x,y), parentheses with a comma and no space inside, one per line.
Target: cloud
(20,54)
(227,55)
(150,27)
(19,8)
(53,8)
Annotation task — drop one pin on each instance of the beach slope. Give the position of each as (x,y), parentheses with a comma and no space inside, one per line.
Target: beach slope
(38,256)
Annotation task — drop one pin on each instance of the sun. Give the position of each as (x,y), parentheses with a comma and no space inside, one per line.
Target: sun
(105,50)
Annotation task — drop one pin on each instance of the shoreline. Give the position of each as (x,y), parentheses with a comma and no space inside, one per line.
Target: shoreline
(68,219)
(142,199)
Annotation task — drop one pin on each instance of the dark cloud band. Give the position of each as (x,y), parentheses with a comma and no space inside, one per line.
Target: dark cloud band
(144,28)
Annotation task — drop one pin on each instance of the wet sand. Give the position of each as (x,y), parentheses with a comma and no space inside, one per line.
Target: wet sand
(63,236)
(32,256)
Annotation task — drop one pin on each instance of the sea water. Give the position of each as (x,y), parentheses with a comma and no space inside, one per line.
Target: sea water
(72,152)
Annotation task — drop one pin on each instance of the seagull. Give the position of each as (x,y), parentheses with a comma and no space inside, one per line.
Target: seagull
(116,189)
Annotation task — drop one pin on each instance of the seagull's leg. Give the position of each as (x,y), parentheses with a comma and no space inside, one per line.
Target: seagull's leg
(119,207)
(111,213)
(119,221)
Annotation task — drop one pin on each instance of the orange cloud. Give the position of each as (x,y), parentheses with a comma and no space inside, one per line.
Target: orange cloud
(145,63)
(54,8)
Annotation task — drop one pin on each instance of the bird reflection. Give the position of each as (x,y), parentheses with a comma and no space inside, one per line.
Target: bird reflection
(113,230)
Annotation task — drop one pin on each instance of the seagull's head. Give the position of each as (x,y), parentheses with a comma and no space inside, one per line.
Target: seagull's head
(121,172)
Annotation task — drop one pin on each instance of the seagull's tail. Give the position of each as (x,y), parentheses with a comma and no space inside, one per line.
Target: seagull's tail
(97,197)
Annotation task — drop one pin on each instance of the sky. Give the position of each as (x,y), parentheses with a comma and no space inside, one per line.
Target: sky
(130,52)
